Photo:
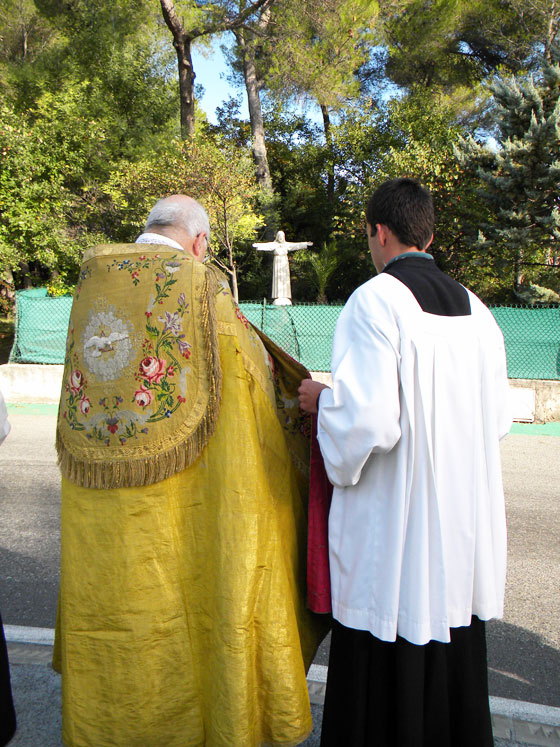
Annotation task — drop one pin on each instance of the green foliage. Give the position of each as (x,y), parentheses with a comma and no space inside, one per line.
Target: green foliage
(414,136)
(41,168)
(321,45)
(216,172)
(454,42)
(324,264)
(533,294)
(91,93)
(425,151)
(58,287)
(6,331)
(24,31)
(519,180)
(297,162)
(89,135)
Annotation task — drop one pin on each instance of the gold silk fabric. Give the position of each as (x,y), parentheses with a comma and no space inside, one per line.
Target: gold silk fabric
(182,619)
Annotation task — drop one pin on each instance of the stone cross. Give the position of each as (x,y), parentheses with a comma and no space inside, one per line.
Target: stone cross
(281,287)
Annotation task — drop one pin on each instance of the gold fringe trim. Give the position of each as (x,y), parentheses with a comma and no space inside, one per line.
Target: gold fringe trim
(130,473)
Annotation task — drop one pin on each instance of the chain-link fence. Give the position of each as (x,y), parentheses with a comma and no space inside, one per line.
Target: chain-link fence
(41,327)
(532,335)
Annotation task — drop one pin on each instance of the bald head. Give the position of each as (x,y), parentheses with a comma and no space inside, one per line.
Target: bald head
(183,219)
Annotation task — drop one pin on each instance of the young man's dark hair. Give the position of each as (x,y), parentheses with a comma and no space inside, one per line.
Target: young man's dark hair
(406,208)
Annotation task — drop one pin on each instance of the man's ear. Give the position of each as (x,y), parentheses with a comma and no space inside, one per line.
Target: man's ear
(429,242)
(381,233)
(199,246)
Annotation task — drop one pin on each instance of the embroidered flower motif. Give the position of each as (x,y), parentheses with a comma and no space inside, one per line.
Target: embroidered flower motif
(153,369)
(172,323)
(76,381)
(84,405)
(148,311)
(184,348)
(181,300)
(241,316)
(143,396)
(112,424)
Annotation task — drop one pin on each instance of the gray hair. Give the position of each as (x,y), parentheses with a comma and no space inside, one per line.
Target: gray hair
(189,215)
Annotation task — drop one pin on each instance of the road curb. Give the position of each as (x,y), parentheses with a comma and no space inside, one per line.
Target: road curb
(24,634)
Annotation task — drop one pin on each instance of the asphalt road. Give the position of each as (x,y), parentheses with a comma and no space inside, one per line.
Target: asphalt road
(524,647)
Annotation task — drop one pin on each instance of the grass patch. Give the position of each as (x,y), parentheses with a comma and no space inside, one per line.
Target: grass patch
(7,327)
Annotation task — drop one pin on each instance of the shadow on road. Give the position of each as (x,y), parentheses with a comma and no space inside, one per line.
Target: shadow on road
(521,665)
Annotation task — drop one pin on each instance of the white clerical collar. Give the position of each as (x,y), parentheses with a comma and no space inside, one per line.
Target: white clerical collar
(158,238)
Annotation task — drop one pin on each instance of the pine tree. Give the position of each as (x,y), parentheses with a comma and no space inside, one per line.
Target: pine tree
(520,179)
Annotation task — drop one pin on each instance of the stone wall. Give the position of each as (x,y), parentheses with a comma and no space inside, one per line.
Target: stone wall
(533,401)
(545,394)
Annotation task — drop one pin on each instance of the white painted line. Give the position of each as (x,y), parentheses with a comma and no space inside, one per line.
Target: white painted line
(23,634)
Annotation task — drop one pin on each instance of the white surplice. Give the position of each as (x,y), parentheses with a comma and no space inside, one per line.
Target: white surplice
(410,438)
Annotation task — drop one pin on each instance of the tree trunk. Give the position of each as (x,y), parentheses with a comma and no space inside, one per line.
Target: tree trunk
(552,30)
(255,110)
(329,144)
(23,41)
(182,42)
(330,161)
(186,86)
(26,272)
(234,286)
(518,268)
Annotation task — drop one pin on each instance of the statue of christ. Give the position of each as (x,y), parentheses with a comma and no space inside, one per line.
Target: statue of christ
(281,287)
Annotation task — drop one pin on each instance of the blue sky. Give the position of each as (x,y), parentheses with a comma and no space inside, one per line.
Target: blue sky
(211,70)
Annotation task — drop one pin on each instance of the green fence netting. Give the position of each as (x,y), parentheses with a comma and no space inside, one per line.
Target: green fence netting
(532,335)
(41,327)
(305,332)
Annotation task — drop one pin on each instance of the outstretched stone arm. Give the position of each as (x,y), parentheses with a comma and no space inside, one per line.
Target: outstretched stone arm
(292,247)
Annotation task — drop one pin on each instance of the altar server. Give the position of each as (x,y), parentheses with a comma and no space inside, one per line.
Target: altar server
(410,433)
